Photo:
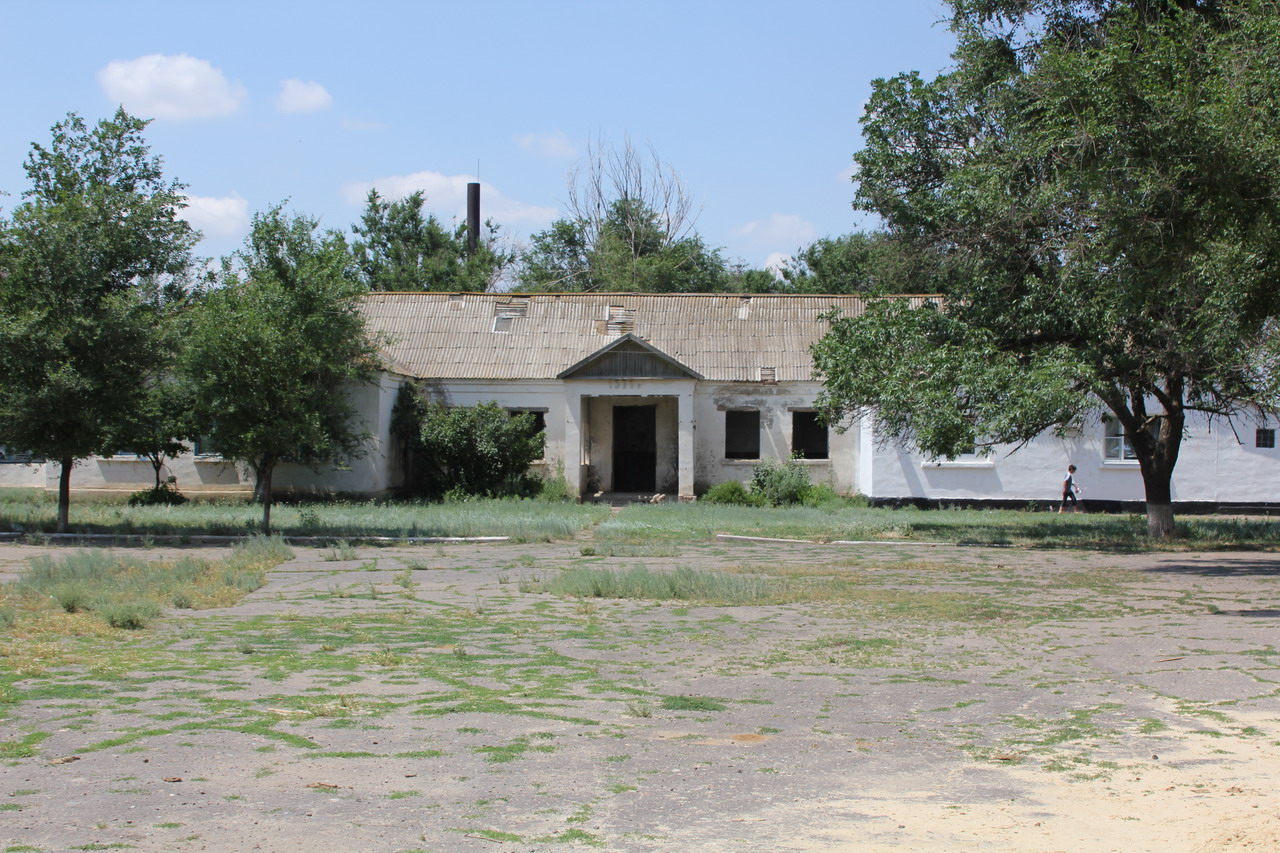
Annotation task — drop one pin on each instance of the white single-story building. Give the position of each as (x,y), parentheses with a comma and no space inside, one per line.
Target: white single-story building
(673,393)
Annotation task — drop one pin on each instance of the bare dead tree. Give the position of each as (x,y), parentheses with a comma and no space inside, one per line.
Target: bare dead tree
(636,186)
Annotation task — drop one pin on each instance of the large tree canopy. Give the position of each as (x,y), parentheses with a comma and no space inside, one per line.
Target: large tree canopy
(272,348)
(83,264)
(630,250)
(398,248)
(867,262)
(1105,175)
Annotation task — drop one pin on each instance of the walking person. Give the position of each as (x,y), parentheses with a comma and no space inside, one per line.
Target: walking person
(1069,491)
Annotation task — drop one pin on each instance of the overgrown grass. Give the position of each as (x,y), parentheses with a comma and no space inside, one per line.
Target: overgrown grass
(30,510)
(702,587)
(648,523)
(830,584)
(128,592)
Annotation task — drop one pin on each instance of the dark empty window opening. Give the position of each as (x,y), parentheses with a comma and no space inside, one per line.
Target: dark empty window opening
(808,436)
(539,422)
(742,435)
(1265,437)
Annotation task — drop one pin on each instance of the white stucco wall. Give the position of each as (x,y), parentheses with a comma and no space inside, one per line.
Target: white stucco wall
(1213,466)
(195,475)
(775,404)
(212,475)
(368,474)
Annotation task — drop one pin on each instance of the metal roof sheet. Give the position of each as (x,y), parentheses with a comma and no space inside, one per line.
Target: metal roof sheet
(724,337)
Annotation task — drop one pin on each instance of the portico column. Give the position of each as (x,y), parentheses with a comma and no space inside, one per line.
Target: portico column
(573,442)
(685,444)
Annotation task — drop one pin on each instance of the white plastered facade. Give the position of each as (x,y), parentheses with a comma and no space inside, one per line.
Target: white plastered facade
(687,368)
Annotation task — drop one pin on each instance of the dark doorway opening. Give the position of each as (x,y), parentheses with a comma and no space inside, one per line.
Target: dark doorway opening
(635,448)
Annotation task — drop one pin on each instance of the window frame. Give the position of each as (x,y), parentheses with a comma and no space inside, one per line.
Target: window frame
(741,432)
(1115,436)
(797,452)
(540,420)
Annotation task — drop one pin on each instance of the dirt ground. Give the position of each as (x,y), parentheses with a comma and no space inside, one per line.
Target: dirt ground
(431,698)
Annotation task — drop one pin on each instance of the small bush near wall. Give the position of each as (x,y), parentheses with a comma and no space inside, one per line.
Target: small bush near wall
(780,483)
(731,492)
(165,494)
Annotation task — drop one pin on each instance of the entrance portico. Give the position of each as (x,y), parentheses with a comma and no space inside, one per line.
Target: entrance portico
(629,421)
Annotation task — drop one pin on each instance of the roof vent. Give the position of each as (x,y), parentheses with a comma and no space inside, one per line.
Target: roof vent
(514,308)
(506,313)
(769,375)
(620,320)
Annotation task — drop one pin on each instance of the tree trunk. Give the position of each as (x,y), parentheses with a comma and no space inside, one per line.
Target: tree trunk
(1158,482)
(1160,520)
(264,483)
(64,494)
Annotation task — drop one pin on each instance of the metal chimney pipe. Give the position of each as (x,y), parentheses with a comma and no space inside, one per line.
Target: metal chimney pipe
(473,217)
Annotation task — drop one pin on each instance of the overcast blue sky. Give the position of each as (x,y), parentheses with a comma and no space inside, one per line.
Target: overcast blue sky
(755,104)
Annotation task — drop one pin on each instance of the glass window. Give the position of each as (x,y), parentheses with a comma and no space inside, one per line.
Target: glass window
(1265,437)
(808,436)
(204,446)
(1116,442)
(742,434)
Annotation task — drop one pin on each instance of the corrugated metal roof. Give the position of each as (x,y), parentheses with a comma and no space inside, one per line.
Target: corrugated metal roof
(724,337)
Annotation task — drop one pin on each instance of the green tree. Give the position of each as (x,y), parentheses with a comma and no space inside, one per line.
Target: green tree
(399,249)
(471,450)
(81,263)
(272,351)
(1104,174)
(630,251)
(868,262)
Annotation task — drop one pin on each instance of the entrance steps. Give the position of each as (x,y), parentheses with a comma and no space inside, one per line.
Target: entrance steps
(621,499)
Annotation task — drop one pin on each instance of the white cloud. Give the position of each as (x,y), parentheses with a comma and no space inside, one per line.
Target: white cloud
(227,216)
(302,96)
(180,87)
(778,228)
(447,197)
(548,144)
(777,262)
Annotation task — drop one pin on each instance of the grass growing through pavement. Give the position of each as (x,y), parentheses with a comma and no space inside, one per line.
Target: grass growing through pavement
(127,592)
(684,584)
(354,684)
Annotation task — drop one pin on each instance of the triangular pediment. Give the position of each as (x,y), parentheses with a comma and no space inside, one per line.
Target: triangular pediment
(629,357)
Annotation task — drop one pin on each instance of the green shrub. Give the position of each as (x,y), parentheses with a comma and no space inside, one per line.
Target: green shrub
(780,483)
(131,614)
(731,492)
(478,451)
(74,596)
(166,494)
(259,552)
(822,495)
(555,489)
